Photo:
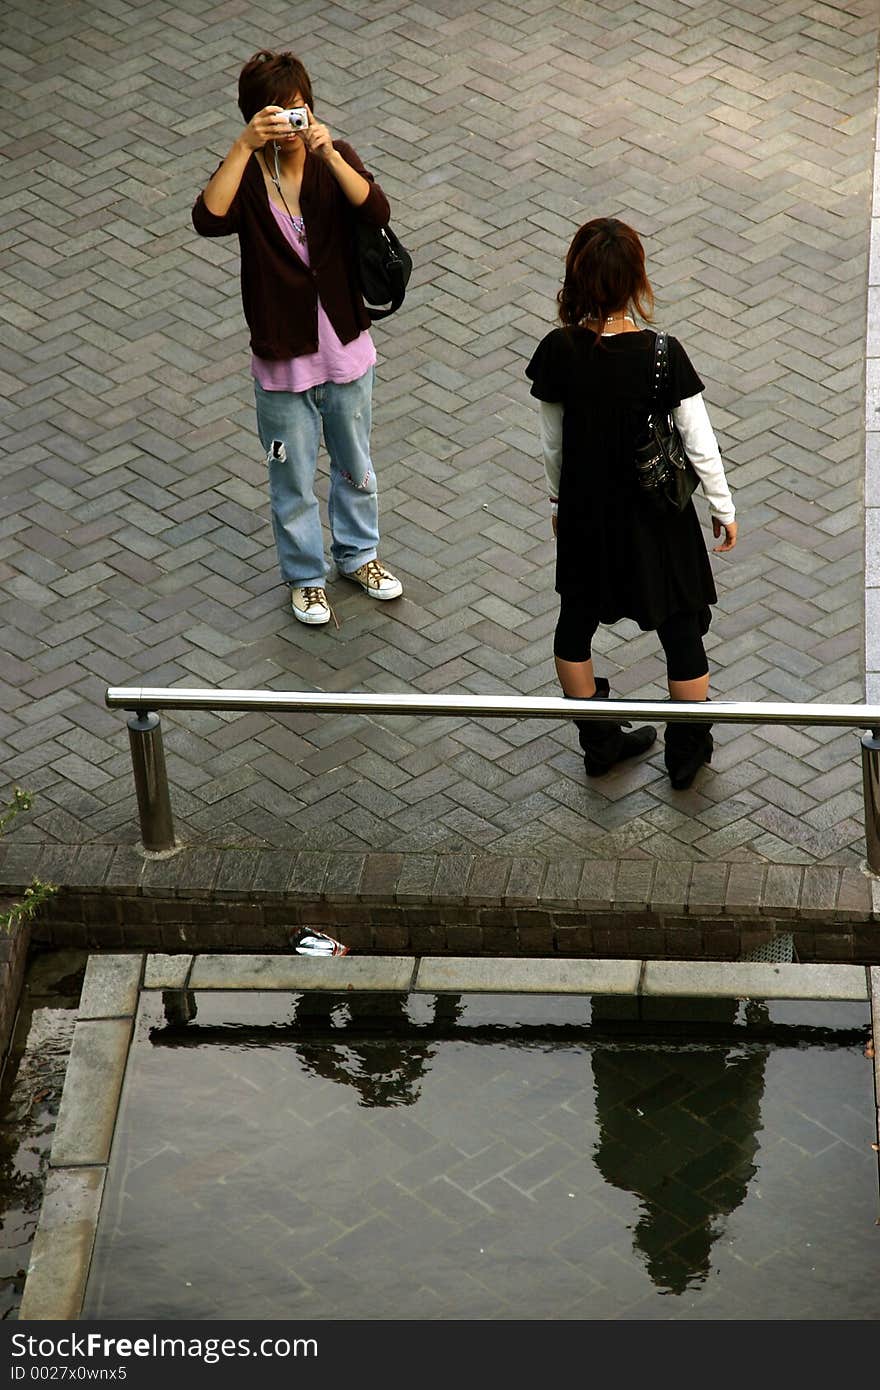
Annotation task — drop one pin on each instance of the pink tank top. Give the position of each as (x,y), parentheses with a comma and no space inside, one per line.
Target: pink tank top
(334,361)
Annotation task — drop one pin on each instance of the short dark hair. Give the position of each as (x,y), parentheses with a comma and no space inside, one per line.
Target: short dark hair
(604,272)
(271,79)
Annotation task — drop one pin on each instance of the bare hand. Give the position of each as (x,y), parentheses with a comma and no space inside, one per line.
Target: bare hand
(730,529)
(317,138)
(267,125)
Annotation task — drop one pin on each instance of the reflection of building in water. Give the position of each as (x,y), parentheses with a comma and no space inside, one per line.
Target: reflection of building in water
(678,1127)
(376,1048)
(179,1006)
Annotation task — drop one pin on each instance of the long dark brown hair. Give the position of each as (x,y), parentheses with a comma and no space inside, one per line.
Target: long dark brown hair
(604,272)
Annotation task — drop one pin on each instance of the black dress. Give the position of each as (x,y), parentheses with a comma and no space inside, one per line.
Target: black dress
(614,551)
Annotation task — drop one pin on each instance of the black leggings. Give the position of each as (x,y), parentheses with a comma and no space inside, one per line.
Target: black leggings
(680,636)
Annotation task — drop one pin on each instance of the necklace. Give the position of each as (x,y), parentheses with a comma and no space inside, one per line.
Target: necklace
(298,223)
(617,318)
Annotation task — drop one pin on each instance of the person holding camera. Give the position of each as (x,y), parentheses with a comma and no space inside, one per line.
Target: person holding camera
(617,555)
(291,194)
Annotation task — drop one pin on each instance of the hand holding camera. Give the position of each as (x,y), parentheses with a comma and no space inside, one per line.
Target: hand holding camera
(297,117)
(317,138)
(275,123)
(285,124)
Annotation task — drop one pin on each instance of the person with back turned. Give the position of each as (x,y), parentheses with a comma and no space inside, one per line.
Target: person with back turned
(617,555)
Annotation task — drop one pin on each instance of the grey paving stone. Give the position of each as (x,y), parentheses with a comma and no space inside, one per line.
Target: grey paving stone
(819,892)
(488,879)
(452,875)
(417,878)
(782,888)
(561,882)
(854,896)
(62,1248)
(745,887)
(301,972)
(87,1114)
(708,887)
(380,875)
(444,973)
(166,972)
(110,986)
(735,980)
(597,884)
(634,884)
(671,883)
(343,877)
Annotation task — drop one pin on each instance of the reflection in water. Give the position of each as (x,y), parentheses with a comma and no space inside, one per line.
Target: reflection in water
(677,1100)
(678,1127)
(179,1006)
(367,1040)
(409,1155)
(376,1052)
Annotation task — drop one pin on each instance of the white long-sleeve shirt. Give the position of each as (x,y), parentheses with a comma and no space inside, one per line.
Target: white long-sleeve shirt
(697,435)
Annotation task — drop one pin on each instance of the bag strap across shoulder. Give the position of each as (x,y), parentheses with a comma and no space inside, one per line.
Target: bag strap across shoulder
(661,364)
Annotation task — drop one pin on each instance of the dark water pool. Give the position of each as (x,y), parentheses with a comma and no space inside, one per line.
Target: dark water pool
(29,1099)
(490,1157)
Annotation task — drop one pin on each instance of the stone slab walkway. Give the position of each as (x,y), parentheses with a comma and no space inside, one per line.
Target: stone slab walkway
(135,546)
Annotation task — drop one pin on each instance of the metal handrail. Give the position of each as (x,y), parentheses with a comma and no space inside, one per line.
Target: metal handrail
(487,706)
(148,757)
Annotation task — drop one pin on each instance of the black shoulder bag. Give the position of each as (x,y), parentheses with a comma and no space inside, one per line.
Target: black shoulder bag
(664,472)
(384,266)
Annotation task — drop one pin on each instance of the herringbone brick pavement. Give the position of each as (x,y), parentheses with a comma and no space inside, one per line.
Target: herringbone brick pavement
(135,545)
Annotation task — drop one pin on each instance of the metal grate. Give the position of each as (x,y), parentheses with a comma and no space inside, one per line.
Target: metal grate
(777,951)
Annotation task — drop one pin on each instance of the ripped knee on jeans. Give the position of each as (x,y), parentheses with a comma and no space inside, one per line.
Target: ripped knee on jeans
(277,452)
(364,484)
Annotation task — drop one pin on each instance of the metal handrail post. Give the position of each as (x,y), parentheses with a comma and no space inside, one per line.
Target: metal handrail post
(149,760)
(151,781)
(871,790)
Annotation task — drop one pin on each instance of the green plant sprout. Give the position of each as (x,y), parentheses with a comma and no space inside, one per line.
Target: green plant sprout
(38,892)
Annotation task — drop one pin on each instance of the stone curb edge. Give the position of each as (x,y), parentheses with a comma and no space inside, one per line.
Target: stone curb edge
(793,891)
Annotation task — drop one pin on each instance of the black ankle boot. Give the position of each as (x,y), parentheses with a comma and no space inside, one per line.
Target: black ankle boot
(603,741)
(688,747)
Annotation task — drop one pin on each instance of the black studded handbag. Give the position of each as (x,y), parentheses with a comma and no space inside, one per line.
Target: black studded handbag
(384,266)
(664,472)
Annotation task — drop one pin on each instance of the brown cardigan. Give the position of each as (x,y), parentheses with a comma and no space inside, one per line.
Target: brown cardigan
(279,293)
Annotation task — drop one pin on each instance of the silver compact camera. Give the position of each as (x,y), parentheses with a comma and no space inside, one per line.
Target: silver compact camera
(298,116)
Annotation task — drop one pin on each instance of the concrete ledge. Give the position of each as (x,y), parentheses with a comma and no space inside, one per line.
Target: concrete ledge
(62,1248)
(111,984)
(302,972)
(470,975)
(754,981)
(166,972)
(87,1115)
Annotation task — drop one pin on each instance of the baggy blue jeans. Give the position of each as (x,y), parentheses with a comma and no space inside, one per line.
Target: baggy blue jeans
(290,425)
